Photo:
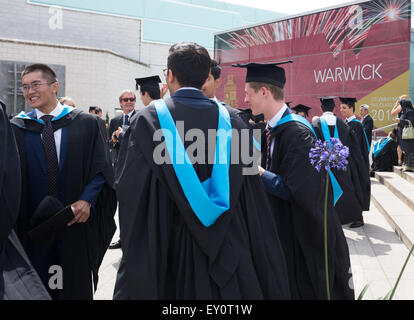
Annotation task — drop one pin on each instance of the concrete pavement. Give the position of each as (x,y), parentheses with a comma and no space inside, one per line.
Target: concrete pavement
(377,256)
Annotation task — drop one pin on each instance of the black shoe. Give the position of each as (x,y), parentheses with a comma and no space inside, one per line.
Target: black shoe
(115,245)
(357,224)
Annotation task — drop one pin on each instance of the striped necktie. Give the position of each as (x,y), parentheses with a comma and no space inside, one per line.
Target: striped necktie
(267,131)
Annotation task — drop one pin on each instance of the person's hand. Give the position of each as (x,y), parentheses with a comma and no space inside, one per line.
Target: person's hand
(261,170)
(81,209)
(115,135)
(164,90)
(397,119)
(118,132)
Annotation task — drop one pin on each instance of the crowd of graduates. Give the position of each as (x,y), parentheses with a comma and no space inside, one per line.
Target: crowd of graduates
(189,230)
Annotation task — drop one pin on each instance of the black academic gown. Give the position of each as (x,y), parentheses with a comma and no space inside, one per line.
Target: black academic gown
(300,220)
(167,252)
(350,205)
(78,249)
(18,278)
(360,143)
(386,159)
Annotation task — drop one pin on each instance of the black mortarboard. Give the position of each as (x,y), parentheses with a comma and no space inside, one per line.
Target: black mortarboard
(92,108)
(258,118)
(146,82)
(327,101)
(265,72)
(302,108)
(348,101)
(49,217)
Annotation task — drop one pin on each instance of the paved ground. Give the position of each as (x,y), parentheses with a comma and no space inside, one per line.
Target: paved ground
(377,256)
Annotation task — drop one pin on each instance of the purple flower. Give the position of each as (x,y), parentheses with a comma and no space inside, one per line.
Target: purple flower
(329,155)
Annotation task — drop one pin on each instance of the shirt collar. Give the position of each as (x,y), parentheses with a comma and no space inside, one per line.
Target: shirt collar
(57,111)
(351,118)
(188,88)
(129,114)
(272,122)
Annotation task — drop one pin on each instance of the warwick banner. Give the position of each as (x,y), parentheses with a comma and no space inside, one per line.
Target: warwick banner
(361,50)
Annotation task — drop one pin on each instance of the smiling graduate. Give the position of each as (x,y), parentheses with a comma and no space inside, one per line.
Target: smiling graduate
(63,155)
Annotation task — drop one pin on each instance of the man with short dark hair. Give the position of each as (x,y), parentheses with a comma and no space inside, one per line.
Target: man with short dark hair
(295,190)
(213,81)
(63,160)
(193,230)
(97,111)
(362,144)
(149,89)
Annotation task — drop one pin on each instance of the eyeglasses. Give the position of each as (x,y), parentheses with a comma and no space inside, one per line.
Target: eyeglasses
(128,99)
(34,86)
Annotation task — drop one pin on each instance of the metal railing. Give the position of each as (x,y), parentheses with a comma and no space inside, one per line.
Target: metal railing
(374,132)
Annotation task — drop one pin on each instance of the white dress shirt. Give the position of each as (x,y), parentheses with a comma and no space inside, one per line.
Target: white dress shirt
(272,122)
(330,118)
(350,118)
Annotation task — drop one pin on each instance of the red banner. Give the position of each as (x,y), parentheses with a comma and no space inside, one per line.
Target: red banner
(361,51)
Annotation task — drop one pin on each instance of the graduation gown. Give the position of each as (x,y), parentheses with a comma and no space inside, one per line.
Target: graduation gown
(387,156)
(300,219)
(360,142)
(352,202)
(167,252)
(18,278)
(78,249)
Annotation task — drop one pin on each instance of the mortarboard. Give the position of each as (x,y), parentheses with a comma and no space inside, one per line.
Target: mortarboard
(265,72)
(348,101)
(302,108)
(327,101)
(92,108)
(258,118)
(152,82)
(49,217)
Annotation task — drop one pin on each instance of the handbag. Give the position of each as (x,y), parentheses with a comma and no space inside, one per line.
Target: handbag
(408,131)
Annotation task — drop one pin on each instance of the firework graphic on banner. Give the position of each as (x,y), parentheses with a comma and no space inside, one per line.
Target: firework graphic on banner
(350,23)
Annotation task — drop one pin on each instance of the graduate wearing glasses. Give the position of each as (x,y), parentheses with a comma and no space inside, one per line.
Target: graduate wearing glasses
(63,161)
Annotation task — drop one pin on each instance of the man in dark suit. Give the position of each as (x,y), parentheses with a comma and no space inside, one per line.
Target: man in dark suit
(127,100)
(367,121)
